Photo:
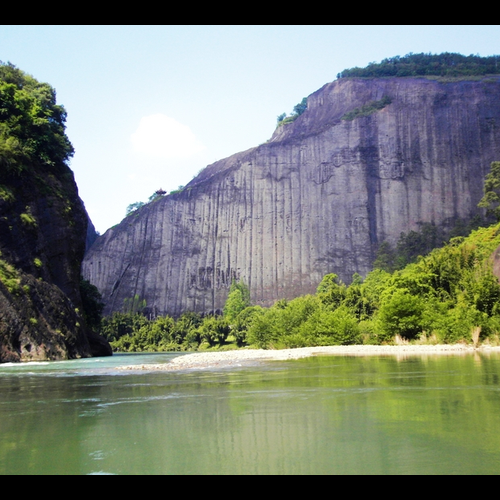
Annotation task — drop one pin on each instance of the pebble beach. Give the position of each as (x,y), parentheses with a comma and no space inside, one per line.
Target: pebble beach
(242,357)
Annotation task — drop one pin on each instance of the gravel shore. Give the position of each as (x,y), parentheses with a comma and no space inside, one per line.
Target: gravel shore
(227,359)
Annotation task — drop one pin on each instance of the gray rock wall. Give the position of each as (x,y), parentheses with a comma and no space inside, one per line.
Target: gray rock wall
(317,198)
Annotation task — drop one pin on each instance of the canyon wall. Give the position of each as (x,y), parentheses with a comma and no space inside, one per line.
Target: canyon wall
(317,198)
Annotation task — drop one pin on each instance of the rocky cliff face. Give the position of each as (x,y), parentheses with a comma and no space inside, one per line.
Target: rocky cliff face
(317,198)
(43,228)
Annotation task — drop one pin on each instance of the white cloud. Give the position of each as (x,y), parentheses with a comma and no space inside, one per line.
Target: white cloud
(164,137)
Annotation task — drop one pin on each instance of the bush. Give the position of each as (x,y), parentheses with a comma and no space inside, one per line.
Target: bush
(402,313)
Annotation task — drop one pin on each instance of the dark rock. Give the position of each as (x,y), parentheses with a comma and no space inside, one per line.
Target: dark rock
(43,228)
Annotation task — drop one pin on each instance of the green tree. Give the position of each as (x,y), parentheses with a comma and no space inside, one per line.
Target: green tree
(32,125)
(134,207)
(281,118)
(327,327)
(331,291)
(445,64)
(244,320)
(299,108)
(491,198)
(237,300)
(121,324)
(214,330)
(402,313)
(385,257)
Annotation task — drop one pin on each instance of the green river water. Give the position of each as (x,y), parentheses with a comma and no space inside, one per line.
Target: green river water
(321,415)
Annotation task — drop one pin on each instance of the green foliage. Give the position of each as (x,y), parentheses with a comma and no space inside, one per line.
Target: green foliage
(414,244)
(327,327)
(214,331)
(444,295)
(331,291)
(278,326)
(121,324)
(242,323)
(134,305)
(133,332)
(445,64)
(491,198)
(5,193)
(133,207)
(237,300)
(367,109)
(9,276)
(298,109)
(385,258)
(178,190)
(402,313)
(32,125)
(27,218)
(281,117)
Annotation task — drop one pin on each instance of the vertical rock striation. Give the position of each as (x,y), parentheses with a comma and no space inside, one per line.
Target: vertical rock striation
(318,197)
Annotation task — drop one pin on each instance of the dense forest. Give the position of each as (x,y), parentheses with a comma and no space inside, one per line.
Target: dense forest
(32,124)
(448,295)
(446,64)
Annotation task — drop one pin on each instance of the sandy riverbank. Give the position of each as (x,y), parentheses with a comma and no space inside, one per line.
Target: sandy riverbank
(226,359)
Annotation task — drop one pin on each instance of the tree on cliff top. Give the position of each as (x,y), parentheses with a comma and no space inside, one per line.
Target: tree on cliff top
(298,109)
(32,125)
(445,64)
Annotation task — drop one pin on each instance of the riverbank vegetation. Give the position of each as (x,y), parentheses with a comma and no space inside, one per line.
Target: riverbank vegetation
(434,287)
(447,296)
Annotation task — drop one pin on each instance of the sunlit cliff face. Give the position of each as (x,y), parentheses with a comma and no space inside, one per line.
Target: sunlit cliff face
(319,197)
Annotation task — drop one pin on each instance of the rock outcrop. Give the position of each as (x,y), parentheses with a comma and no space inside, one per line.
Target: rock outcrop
(318,197)
(43,229)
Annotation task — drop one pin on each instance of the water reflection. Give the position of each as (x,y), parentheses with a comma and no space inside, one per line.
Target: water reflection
(324,415)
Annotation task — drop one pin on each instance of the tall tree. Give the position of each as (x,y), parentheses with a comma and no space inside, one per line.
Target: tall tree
(237,300)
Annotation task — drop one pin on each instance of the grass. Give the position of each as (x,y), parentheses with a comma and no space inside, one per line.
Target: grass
(367,109)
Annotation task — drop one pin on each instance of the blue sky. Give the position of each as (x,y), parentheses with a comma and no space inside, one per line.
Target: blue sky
(150,106)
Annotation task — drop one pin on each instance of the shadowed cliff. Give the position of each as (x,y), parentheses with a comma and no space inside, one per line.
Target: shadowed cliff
(43,228)
(367,160)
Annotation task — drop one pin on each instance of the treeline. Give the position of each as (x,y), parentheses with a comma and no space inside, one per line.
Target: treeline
(415,243)
(448,296)
(445,64)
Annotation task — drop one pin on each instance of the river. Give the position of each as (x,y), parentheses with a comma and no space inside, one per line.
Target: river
(323,415)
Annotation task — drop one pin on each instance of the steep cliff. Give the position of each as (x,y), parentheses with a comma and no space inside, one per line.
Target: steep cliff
(43,229)
(317,198)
